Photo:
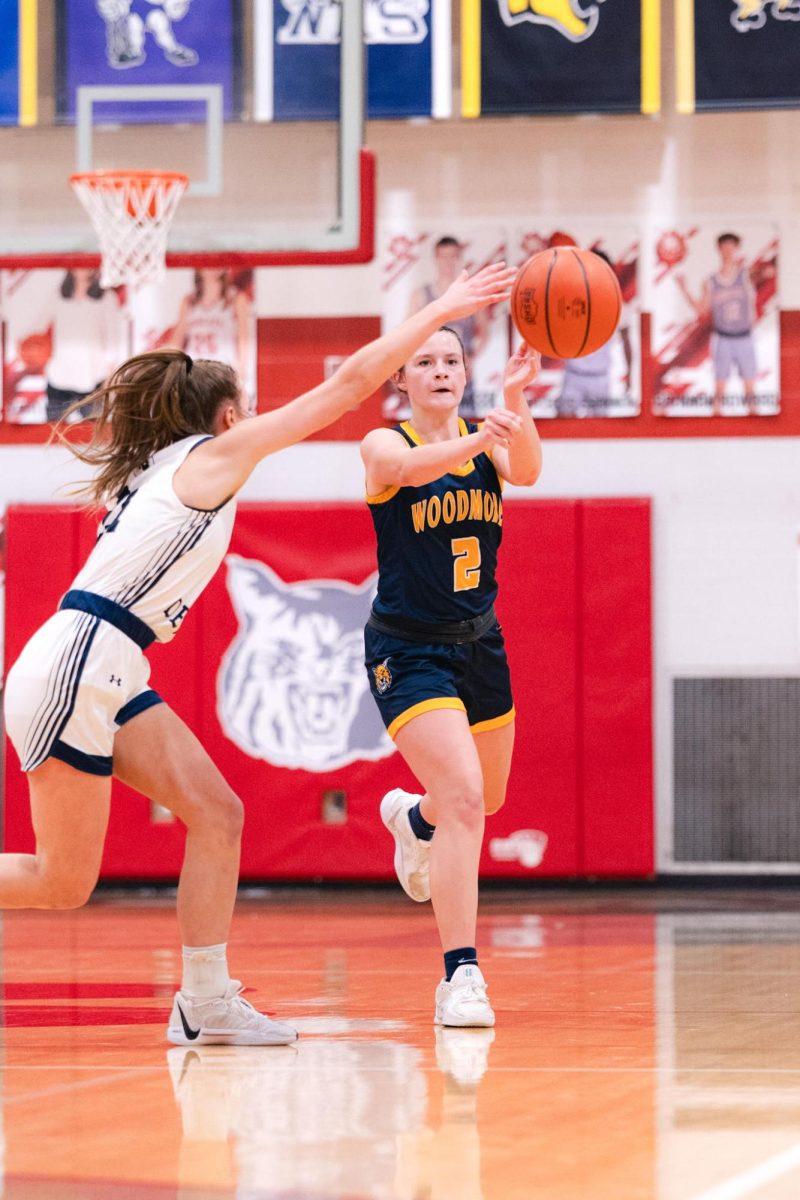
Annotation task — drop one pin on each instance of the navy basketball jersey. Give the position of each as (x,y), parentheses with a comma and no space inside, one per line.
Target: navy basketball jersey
(437,544)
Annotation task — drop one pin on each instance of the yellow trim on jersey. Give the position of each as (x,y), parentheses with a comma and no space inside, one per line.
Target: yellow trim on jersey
(684,56)
(470,58)
(469,465)
(651,56)
(28,62)
(424,706)
(494,722)
(386,494)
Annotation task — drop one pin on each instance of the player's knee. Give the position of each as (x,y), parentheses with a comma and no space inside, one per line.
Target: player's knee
(464,804)
(63,892)
(494,801)
(227,813)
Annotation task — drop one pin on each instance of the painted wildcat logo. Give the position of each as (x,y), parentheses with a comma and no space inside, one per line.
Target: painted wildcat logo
(292,688)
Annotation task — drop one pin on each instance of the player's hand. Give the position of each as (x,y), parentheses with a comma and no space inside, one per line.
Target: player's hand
(522,368)
(469,293)
(500,427)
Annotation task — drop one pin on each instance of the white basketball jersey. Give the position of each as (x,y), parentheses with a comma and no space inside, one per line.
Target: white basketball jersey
(154,555)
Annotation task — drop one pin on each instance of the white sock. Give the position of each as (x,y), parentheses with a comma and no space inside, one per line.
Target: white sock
(205,970)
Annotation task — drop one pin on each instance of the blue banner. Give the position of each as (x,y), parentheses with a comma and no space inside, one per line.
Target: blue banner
(560,56)
(148,42)
(297,59)
(746,54)
(9,62)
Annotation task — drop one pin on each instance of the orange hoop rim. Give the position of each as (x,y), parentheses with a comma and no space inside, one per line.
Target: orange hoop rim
(97,178)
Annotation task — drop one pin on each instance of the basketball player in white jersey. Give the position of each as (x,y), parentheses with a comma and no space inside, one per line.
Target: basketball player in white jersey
(729,299)
(173,448)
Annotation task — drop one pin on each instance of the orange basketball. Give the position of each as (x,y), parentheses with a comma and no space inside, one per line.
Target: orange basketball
(566,302)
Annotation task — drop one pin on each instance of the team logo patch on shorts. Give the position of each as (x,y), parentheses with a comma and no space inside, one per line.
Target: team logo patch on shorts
(383,677)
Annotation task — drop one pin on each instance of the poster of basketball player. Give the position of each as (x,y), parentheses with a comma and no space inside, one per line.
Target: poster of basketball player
(607,382)
(417,264)
(63,334)
(208,313)
(715,332)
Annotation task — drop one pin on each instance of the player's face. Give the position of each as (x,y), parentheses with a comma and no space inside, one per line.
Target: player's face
(435,377)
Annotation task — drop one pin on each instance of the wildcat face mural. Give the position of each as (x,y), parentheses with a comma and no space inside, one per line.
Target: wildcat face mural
(292,688)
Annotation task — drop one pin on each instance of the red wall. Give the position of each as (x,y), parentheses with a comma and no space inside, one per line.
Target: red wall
(575,609)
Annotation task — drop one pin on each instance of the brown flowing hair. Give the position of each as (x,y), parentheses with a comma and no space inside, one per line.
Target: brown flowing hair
(149,402)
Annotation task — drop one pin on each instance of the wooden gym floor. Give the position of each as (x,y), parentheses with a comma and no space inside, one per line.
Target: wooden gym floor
(647,1048)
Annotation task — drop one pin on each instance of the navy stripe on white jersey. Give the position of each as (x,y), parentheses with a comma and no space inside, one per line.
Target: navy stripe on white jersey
(185,539)
(59,703)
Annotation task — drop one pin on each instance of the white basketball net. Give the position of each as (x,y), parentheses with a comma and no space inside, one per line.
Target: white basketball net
(131,212)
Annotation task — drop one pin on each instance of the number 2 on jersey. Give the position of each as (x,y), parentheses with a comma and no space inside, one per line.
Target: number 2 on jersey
(466,563)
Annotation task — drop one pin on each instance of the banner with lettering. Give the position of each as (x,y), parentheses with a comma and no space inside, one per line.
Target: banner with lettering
(715,329)
(554,56)
(737,54)
(297,59)
(150,42)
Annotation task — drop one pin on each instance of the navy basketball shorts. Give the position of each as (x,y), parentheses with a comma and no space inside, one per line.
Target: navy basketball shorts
(76,682)
(409,678)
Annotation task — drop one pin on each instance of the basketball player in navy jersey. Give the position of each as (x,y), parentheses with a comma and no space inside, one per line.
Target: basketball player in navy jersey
(173,448)
(729,300)
(434,651)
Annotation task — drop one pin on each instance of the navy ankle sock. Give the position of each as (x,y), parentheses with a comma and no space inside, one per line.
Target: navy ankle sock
(457,958)
(423,830)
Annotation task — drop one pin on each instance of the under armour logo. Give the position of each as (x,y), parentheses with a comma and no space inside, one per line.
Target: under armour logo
(117,679)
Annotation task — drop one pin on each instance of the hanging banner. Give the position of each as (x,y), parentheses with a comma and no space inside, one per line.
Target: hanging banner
(9,62)
(715,329)
(607,382)
(553,56)
(297,59)
(148,42)
(737,54)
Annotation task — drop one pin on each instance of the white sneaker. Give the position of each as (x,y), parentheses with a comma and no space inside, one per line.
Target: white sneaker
(227,1020)
(463,1001)
(463,1054)
(411,854)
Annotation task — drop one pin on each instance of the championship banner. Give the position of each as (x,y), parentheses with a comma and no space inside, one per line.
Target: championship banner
(606,383)
(715,329)
(148,42)
(737,54)
(18,82)
(560,56)
(297,59)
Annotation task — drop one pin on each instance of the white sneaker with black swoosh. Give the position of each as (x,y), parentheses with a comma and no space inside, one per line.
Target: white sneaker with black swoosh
(227,1020)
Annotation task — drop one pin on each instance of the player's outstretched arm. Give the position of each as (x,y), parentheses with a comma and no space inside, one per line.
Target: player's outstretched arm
(219,467)
(520,460)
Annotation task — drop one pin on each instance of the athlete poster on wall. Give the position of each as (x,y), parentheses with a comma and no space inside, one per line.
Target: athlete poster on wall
(148,42)
(416,265)
(63,334)
(207,313)
(296,53)
(715,331)
(606,383)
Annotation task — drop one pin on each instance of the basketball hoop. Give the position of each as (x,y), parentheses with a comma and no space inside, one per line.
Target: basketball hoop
(131,212)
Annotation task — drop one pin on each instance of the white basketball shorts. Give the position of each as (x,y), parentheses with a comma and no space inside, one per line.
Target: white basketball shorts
(77,681)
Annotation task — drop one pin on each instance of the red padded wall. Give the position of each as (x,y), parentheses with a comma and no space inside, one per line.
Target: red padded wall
(574,606)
